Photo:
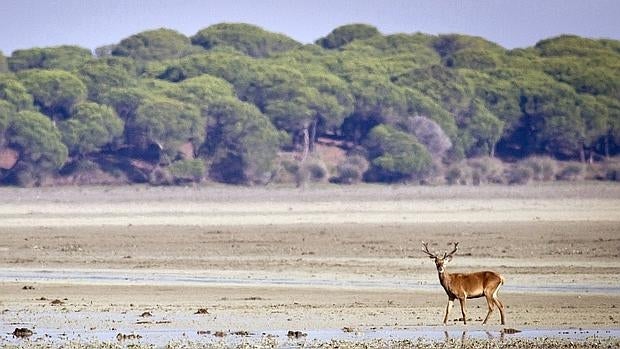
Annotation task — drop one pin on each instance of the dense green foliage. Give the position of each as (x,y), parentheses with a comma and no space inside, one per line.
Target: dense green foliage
(188,170)
(61,57)
(346,34)
(237,104)
(103,74)
(395,155)
(6,115)
(241,141)
(164,122)
(39,144)
(90,127)
(4,66)
(245,38)
(54,91)
(13,92)
(154,45)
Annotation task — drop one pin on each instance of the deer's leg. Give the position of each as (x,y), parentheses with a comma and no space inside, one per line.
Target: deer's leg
(491,305)
(500,305)
(501,308)
(448,308)
(462,301)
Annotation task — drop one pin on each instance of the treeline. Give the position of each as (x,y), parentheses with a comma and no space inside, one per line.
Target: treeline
(237,104)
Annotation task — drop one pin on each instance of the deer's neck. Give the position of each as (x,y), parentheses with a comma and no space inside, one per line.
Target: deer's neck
(444,279)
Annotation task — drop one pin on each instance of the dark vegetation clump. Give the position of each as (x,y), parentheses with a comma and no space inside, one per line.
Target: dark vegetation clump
(572,171)
(311,170)
(237,104)
(351,170)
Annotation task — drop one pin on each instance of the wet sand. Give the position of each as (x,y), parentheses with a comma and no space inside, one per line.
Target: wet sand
(313,261)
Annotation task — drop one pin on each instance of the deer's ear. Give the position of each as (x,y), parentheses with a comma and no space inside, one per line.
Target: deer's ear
(449,258)
(431,257)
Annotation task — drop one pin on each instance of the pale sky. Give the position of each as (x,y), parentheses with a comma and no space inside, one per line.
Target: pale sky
(93,23)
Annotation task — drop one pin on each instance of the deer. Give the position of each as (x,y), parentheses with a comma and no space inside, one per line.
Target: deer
(466,286)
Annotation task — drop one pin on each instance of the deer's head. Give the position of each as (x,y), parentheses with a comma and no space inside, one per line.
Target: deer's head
(440,260)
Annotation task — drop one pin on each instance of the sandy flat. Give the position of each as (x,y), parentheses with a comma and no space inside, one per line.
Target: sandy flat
(316,259)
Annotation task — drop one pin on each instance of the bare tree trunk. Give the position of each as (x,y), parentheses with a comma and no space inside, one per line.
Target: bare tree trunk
(301,176)
(607,147)
(582,154)
(312,135)
(306,144)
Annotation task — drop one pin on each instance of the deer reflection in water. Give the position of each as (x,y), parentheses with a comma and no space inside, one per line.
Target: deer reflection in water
(463,336)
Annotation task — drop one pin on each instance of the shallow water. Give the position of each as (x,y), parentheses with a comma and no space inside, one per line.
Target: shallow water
(161,337)
(185,279)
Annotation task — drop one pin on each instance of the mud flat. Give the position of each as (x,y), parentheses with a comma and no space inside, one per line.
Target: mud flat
(373,338)
(81,266)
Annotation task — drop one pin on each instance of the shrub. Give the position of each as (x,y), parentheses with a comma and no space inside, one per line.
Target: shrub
(161,176)
(351,170)
(543,168)
(611,169)
(24,175)
(459,173)
(572,171)
(87,172)
(316,169)
(519,174)
(348,174)
(286,170)
(613,173)
(436,174)
(312,170)
(78,166)
(431,135)
(188,170)
(608,170)
(358,161)
(486,170)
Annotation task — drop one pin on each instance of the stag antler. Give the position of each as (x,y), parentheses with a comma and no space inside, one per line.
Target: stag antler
(449,255)
(425,250)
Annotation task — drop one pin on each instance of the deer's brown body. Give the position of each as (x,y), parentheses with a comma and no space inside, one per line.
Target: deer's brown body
(463,286)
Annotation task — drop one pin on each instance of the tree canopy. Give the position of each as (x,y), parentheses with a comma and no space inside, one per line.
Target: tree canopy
(38,142)
(54,91)
(346,34)
(154,45)
(246,38)
(241,141)
(239,104)
(395,155)
(14,92)
(4,66)
(61,57)
(166,123)
(90,127)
